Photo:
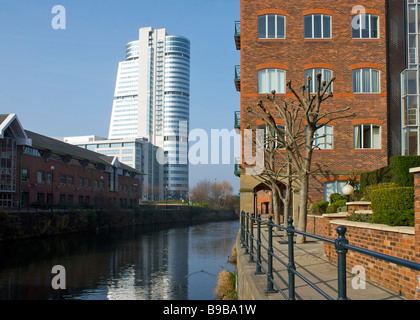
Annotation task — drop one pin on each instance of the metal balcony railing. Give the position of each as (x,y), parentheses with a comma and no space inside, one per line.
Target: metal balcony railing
(341,245)
(237,123)
(238,35)
(238,77)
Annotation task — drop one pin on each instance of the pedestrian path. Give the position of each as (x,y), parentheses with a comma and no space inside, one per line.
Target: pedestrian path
(310,262)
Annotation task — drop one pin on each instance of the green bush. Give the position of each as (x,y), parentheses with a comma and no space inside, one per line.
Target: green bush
(401,166)
(332,208)
(367,192)
(318,207)
(334,197)
(395,217)
(393,206)
(380,175)
(360,217)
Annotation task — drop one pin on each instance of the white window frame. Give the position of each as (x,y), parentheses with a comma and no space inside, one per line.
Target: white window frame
(268,88)
(362,147)
(360,16)
(275,26)
(313,76)
(323,144)
(370,79)
(313,26)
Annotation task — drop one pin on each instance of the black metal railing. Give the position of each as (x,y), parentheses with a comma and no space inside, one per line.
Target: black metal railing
(341,245)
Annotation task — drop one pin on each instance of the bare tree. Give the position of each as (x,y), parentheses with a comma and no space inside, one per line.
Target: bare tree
(302,119)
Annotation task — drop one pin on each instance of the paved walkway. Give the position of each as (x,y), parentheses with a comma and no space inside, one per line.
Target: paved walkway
(310,263)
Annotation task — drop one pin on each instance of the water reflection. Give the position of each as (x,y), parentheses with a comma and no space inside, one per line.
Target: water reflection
(179,263)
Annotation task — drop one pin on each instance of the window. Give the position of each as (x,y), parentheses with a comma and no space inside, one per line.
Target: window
(271,79)
(323,138)
(365,26)
(271,26)
(326,75)
(70,180)
(317,26)
(333,187)
(25,175)
(366,81)
(62,180)
(277,144)
(40,177)
(367,136)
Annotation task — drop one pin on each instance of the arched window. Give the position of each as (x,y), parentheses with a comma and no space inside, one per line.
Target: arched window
(366,81)
(317,26)
(271,79)
(271,26)
(326,75)
(365,26)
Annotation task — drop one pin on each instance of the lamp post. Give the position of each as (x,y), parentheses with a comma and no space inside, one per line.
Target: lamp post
(348,191)
(52,187)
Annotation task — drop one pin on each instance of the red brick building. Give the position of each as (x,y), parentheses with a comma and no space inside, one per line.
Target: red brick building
(38,169)
(288,40)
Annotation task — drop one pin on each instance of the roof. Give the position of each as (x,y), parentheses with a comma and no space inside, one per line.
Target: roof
(11,122)
(64,148)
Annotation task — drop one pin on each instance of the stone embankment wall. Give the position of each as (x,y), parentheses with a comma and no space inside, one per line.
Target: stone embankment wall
(28,224)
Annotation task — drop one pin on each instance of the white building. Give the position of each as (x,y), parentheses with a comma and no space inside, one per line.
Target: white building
(151,100)
(137,153)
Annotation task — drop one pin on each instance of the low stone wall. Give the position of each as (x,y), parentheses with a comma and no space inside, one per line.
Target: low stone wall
(394,241)
(29,224)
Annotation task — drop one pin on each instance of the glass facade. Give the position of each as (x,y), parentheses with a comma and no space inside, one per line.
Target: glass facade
(410,82)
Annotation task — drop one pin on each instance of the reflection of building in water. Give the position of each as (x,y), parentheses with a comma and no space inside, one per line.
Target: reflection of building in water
(152,268)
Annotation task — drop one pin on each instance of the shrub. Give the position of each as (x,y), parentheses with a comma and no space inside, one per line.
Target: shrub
(380,175)
(318,207)
(395,217)
(400,198)
(360,217)
(393,206)
(332,208)
(400,166)
(367,192)
(334,197)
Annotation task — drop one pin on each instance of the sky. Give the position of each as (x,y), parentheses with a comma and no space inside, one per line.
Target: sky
(60,82)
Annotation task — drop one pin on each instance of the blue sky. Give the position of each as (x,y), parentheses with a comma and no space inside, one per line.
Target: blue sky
(61,82)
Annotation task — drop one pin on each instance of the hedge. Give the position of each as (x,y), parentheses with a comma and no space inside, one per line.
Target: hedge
(392,205)
(367,192)
(400,166)
(334,197)
(380,175)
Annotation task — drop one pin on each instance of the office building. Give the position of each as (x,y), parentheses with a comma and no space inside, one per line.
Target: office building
(151,101)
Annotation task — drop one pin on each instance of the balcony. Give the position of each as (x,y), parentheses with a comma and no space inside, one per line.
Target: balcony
(237,170)
(237,124)
(238,77)
(238,35)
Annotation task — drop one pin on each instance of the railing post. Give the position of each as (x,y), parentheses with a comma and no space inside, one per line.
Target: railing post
(291,267)
(340,242)
(270,288)
(258,270)
(246,233)
(251,252)
(242,228)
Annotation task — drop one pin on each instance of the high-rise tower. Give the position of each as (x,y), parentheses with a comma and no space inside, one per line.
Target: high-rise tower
(151,100)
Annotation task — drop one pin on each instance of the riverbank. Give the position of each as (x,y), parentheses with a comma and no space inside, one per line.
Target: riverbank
(41,223)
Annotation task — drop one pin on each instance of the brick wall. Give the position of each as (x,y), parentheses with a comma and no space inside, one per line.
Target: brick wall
(341,54)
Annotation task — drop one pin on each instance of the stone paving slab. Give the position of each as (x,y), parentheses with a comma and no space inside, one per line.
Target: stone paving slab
(310,262)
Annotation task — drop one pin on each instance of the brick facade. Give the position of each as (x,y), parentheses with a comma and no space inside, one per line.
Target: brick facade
(342,54)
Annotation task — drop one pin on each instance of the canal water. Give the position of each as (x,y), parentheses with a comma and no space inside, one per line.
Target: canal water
(154,263)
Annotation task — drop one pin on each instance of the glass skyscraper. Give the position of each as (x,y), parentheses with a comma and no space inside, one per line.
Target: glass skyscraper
(151,100)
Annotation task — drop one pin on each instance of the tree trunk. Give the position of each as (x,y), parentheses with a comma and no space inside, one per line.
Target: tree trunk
(303,212)
(275,205)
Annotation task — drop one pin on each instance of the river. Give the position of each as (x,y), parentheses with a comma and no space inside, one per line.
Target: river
(139,263)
